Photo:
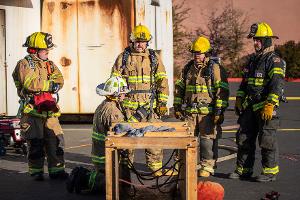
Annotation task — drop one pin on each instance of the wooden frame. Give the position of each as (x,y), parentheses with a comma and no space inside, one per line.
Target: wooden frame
(181,139)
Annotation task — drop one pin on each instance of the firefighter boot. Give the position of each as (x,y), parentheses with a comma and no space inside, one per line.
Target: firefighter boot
(38,176)
(203,173)
(237,175)
(265,178)
(62,175)
(82,180)
(70,184)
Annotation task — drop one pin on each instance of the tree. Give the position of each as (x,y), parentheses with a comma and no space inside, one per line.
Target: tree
(181,37)
(290,52)
(227,32)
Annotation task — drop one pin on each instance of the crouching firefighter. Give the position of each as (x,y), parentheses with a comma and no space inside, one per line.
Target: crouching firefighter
(108,112)
(37,80)
(257,103)
(201,97)
(146,77)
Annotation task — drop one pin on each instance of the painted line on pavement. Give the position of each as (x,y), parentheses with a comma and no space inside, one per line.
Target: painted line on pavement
(281,129)
(288,98)
(75,147)
(78,162)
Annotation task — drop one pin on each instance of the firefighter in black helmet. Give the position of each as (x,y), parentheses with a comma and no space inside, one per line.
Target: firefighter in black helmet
(257,103)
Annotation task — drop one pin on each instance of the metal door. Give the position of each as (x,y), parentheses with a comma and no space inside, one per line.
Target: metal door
(90,34)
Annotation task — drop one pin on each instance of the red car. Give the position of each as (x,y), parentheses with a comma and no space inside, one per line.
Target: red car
(10,135)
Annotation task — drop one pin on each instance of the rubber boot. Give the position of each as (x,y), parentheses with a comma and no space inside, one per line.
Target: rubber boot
(70,184)
(203,173)
(82,180)
(265,178)
(237,175)
(38,176)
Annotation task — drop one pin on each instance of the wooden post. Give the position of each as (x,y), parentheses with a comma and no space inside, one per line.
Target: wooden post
(182,175)
(191,171)
(109,172)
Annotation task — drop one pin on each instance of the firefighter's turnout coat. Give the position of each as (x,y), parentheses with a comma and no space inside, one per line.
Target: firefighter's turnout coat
(200,93)
(42,130)
(263,80)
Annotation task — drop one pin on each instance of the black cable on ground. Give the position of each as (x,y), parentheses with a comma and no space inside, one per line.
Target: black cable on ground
(149,176)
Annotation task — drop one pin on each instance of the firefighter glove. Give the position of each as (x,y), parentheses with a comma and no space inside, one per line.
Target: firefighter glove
(161,110)
(178,115)
(178,112)
(219,119)
(267,111)
(238,106)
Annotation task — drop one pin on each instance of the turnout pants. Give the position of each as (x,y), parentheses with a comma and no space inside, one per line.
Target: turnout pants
(208,133)
(251,128)
(45,140)
(154,157)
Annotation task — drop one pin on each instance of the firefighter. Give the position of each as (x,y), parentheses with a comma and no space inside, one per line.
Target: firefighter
(201,97)
(257,102)
(108,112)
(37,79)
(147,79)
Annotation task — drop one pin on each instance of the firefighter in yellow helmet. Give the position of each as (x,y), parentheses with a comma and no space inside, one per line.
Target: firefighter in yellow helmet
(257,103)
(201,97)
(37,79)
(147,79)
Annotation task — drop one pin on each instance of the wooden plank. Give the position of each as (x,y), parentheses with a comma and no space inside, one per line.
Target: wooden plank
(191,171)
(116,174)
(156,134)
(182,175)
(150,142)
(109,173)
(177,125)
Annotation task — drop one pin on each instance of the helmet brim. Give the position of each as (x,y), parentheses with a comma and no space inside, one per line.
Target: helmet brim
(251,36)
(101,92)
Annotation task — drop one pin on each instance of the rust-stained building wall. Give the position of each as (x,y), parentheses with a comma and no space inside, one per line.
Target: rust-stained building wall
(89,34)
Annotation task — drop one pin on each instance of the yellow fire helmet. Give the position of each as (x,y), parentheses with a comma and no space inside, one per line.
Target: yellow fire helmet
(39,40)
(140,33)
(261,29)
(201,45)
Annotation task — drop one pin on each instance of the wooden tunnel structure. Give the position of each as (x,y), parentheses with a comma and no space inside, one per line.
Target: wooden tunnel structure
(182,139)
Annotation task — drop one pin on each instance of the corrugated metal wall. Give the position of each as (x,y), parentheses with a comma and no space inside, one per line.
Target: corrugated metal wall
(89,34)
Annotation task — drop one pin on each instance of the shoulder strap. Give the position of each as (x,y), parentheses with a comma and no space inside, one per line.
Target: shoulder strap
(187,68)
(126,54)
(30,62)
(153,60)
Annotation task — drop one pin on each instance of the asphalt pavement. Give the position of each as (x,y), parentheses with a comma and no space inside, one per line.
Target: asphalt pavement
(16,184)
